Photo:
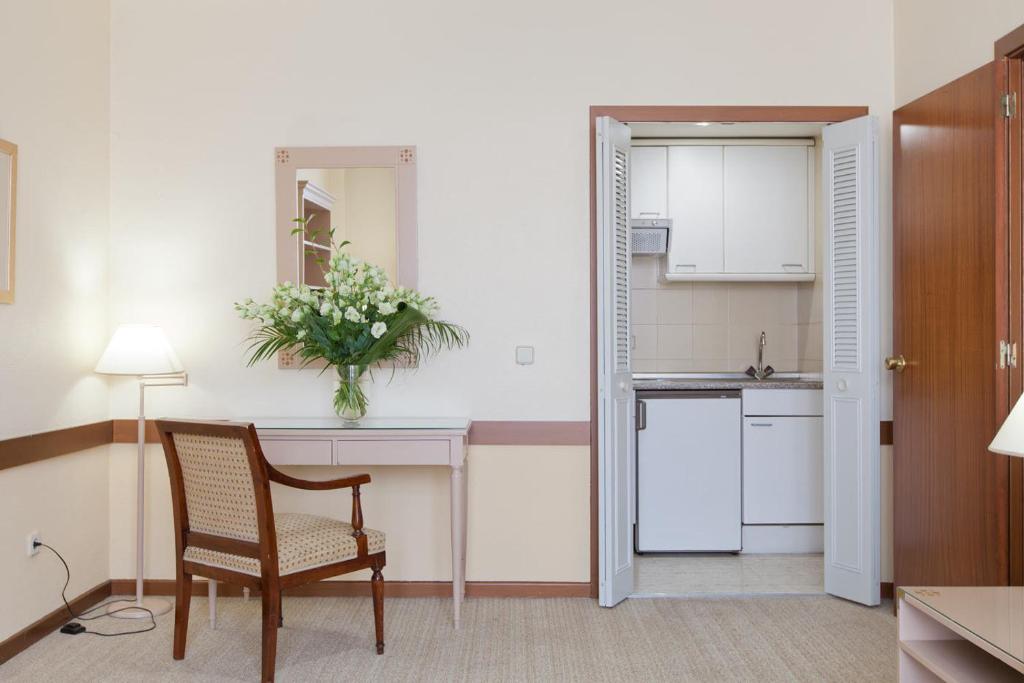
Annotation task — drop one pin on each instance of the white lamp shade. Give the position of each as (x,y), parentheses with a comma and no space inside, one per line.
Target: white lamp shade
(139,350)
(1010,437)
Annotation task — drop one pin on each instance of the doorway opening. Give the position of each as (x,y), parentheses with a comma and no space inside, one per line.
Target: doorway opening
(706,480)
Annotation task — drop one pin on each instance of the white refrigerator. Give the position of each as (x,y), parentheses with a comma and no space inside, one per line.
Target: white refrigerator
(689,452)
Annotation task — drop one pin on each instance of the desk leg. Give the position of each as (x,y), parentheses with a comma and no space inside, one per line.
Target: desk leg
(458,495)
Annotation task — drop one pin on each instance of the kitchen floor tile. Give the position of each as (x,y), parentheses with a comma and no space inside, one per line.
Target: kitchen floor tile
(664,574)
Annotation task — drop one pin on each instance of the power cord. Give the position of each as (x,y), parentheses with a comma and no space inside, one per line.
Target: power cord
(87,615)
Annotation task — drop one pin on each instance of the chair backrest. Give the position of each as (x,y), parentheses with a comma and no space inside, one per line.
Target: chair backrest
(218,477)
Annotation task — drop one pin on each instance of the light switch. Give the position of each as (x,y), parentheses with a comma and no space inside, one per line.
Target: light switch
(524,355)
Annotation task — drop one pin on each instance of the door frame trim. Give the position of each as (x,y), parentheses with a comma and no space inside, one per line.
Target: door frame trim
(1009,63)
(667,114)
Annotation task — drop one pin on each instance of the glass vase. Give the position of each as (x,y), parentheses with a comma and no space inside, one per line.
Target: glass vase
(349,398)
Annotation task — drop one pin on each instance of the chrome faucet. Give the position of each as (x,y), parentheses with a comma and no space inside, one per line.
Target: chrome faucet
(761,371)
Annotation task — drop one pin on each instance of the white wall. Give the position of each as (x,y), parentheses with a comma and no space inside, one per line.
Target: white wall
(496,99)
(938,41)
(54,104)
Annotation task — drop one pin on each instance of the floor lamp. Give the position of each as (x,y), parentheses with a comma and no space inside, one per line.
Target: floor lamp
(142,351)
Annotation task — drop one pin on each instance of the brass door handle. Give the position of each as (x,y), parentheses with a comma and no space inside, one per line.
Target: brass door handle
(897,363)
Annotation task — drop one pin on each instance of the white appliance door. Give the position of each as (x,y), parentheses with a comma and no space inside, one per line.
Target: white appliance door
(616,431)
(688,473)
(852,365)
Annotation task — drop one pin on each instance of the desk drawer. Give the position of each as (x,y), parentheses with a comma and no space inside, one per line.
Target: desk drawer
(393,452)
(297,451)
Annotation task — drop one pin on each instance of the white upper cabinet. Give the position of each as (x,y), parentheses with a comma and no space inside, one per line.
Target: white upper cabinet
(766,210)
(739,211)
(695,207)
(649,187)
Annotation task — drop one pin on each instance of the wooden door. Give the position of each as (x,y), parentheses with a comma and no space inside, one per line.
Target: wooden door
(950,494)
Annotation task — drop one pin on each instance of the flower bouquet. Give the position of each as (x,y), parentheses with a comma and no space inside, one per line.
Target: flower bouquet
(355,322)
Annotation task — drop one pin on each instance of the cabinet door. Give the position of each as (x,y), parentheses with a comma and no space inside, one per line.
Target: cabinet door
(649,182)
(783,470)
(766,209)
(695,207)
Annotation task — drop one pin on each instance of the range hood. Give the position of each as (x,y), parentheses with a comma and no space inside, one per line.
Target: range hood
(649,236)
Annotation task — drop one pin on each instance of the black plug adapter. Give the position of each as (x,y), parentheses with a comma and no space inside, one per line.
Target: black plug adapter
(72,628)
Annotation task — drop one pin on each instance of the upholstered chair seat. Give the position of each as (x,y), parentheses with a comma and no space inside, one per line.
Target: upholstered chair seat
(303,542)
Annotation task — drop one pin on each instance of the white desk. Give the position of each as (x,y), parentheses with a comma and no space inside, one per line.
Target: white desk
(961,633)
(381,441)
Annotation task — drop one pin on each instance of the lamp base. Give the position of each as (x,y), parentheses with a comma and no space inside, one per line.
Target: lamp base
(131,609)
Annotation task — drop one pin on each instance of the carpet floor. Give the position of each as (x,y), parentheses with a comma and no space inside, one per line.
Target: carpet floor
(756,638)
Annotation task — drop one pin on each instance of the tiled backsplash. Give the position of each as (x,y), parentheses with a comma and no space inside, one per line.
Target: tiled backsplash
(715,326)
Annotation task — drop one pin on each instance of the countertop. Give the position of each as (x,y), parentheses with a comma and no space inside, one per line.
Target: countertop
(695,381)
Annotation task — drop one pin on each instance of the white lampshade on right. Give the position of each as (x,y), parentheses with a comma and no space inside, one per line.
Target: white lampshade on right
(1010,437)
(139,350)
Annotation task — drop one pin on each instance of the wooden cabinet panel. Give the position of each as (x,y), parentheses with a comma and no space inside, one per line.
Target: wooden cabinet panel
(695,207)
(766,209)
(649,183)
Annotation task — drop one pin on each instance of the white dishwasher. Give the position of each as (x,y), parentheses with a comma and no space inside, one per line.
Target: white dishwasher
(688,471)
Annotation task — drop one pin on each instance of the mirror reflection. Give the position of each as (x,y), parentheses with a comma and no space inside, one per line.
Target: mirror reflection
(359,205)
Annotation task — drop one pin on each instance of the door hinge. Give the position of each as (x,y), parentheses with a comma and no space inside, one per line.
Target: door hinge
(1008,101)
(1007,354)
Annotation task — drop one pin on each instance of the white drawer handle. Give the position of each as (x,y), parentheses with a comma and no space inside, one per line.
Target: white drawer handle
(761,424)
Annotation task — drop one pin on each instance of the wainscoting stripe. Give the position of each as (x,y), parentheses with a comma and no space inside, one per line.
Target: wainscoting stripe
(35,447)
(32,634)
(515,433)
(393,589)
(885,430)
(127,431)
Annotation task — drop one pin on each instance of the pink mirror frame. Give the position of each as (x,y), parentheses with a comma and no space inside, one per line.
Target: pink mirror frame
(288,160)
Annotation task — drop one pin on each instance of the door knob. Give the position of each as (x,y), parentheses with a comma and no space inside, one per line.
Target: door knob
(897,363)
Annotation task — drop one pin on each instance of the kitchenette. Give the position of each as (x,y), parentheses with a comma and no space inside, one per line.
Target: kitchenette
(726,342)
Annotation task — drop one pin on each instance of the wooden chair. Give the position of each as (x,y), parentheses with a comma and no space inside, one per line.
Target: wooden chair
(226,529)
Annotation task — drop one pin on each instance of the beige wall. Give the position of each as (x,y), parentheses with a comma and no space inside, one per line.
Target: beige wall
(525,521)
(937,41)
(54,104)
(502,139)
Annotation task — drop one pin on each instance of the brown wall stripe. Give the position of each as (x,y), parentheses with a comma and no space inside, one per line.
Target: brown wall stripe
(35,447)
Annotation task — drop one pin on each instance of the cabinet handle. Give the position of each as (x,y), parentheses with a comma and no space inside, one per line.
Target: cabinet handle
(792,265)
(642,415)
(650,213)
(761,424)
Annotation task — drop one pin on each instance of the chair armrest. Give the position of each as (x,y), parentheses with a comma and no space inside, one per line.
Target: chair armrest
(353,482)
(345,482)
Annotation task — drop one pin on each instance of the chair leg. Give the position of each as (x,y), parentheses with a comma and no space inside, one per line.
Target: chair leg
(271,605)
(280,611)
(212,599)
(377,588)
(182,601)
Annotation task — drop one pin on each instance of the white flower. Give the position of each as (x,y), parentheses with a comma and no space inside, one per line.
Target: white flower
(352,314)
(325,308)
(387,308)
(301,334)
(297,315)
(378,330)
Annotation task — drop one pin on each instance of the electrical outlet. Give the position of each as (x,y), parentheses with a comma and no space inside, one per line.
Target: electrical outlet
(30,547)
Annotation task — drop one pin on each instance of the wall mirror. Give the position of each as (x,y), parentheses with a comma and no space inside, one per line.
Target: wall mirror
(367,195)
(8,195)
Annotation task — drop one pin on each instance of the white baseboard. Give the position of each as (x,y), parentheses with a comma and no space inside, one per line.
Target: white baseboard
(796,538)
